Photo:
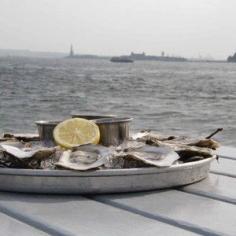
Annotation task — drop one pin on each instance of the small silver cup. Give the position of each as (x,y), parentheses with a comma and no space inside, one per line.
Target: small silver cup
(113,131)
(45,129)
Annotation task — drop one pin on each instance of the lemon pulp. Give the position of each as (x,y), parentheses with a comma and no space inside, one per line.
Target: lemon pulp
(76,131)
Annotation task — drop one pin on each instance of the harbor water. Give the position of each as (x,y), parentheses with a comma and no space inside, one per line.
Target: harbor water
(186,98)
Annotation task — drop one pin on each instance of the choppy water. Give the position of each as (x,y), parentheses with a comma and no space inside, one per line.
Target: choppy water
(182,98)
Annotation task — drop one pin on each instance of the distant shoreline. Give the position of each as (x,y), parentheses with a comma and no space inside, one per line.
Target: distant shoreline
(108,59)
(4,53)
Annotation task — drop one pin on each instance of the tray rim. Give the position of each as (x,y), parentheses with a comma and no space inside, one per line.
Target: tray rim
(105,172)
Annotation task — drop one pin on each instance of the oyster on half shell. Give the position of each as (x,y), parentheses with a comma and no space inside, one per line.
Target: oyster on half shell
(85,157)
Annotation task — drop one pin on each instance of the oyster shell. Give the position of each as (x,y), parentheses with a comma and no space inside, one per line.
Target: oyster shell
(26,153)
(130,145)
(156,156)
(143,156)
(85,157)
(158,140)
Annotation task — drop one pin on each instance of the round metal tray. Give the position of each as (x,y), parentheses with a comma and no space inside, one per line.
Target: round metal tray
(102,181)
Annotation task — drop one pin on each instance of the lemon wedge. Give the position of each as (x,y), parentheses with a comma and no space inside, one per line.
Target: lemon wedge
(76,131)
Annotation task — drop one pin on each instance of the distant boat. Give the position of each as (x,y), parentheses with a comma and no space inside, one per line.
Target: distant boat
(121,59)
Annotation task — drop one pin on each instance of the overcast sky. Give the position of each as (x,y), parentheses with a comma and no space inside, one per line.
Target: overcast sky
(187,28)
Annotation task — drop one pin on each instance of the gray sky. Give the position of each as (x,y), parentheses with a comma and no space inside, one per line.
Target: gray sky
(112,27)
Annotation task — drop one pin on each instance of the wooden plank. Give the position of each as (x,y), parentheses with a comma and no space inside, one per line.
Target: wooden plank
(227,152)
(204,215)
(12,227)
(76,215)
(225,167)
(215,186)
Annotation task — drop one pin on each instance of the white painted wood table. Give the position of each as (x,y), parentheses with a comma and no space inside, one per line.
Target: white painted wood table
(205,208)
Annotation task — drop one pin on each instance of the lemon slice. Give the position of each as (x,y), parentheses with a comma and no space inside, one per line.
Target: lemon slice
(76,131)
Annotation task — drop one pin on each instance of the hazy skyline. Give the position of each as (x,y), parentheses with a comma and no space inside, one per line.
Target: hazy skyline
(189,28)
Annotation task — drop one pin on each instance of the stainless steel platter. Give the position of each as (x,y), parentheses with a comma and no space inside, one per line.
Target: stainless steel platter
(102,181)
